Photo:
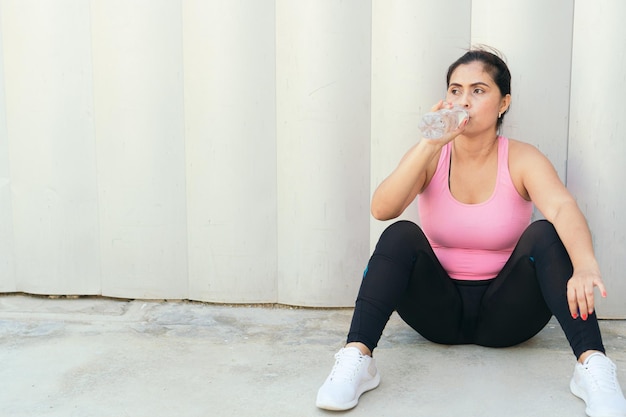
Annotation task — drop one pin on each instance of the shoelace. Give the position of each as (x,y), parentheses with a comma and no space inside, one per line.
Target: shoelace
(346,366)
(602,375)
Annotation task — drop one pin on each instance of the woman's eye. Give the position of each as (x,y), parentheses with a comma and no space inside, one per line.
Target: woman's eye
(454,91)
(479,91)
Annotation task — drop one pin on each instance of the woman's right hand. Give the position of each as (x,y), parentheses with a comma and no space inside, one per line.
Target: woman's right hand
(447,137)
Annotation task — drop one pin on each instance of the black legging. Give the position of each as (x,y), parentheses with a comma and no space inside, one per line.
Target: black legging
(404,274)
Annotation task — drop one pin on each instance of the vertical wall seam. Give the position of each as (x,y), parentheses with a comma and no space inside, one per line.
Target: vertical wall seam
(471,14)
(277,297)
(184,144)
(95,149)
(569,101)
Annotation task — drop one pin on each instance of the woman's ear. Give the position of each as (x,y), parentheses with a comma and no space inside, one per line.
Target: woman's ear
(505,103)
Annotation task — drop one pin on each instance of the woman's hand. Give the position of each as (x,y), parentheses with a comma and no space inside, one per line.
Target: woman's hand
(448,137)
(580,288)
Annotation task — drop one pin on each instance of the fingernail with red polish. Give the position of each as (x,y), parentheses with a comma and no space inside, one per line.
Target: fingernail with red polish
(574,316)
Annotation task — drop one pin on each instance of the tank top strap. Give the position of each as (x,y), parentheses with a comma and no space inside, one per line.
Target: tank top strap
(504,175)
(503,153)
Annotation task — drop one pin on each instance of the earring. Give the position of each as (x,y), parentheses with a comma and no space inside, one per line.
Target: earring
(499,115)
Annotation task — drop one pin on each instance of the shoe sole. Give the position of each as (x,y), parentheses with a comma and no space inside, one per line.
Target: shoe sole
(370,385)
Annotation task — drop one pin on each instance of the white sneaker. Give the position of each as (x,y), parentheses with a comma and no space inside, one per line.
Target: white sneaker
(353,374)
(595,382)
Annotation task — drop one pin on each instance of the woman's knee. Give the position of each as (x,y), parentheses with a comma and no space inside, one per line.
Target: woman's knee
(541,228)
(540,234)
(547,251)
(400,234)
(402,229)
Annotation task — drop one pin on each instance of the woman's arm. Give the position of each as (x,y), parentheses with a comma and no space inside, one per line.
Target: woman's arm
(401,187)
(412,174)
(556,203)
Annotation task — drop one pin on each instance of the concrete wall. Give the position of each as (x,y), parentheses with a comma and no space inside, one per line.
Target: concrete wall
(226,151)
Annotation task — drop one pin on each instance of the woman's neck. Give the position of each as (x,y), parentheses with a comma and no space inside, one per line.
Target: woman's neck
(475,148)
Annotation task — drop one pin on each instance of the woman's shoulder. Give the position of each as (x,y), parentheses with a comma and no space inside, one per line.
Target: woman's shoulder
(525,160)
(518,144)
(519,150)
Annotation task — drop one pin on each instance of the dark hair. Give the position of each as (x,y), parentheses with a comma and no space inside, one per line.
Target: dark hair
(492,63)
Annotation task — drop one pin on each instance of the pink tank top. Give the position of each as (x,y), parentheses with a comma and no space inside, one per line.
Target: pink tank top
(473,241)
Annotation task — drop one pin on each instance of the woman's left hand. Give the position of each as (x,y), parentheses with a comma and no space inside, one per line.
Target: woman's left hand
(580,288)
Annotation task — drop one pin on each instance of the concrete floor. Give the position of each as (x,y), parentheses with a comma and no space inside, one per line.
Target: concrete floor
(103,357)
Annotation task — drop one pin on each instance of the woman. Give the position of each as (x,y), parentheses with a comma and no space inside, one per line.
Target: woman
(478,271)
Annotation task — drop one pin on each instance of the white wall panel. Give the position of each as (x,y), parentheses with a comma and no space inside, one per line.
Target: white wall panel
(138,89)
(47,62)
(413,43)
(323,119)
(227,151)
(7,247)
(230,113)
(535,37)
(597,148)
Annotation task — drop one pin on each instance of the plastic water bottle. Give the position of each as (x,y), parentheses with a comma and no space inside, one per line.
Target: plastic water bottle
(436,124)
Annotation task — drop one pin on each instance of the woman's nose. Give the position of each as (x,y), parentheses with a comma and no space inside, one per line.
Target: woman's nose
(464,100)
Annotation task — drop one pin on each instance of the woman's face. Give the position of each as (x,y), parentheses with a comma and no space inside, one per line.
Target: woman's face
(472,88)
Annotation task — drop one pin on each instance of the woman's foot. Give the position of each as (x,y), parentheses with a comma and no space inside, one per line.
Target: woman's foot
(595,382)
(353,374)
